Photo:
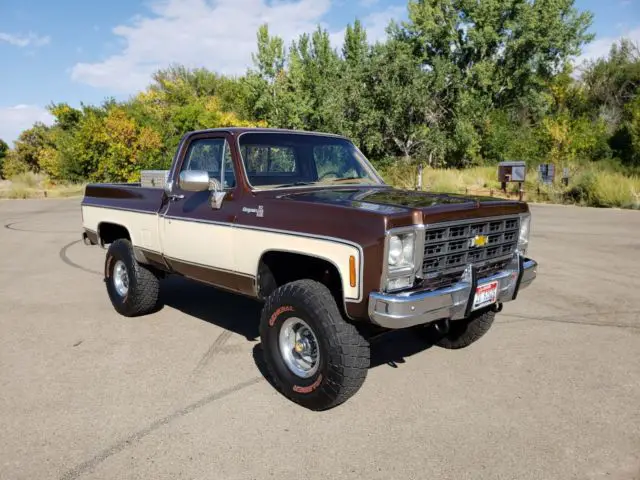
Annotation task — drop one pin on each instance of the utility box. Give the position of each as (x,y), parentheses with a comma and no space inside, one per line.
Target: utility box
(546,173)
(154,178)
(511,171)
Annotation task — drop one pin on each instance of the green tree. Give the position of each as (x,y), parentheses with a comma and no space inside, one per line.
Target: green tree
(266,83)
(4,149)
(410,111)
(29,146)
(360,119)
(490,54)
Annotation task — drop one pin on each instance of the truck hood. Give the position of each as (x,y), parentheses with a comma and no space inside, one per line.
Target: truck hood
(395,201)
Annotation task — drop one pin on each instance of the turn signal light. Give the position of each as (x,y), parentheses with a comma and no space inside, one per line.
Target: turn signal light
(352,271)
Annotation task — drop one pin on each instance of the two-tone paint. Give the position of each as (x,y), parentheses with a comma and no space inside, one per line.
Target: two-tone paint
(180,232)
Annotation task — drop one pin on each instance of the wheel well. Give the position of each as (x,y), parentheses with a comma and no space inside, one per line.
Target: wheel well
(278,268)
(110,232)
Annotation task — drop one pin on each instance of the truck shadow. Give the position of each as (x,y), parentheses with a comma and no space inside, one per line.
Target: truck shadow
(241,315)
(232,312)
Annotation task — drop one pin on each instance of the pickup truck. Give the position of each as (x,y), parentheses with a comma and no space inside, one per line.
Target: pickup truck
(302,222)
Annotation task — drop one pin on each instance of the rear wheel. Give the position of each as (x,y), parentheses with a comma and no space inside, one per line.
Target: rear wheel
(133,288)
(315,357)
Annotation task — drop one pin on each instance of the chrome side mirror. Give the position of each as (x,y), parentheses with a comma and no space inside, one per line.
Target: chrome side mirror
(194,180)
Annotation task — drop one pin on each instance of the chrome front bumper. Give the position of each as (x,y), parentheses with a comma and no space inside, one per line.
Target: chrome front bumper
(408,309)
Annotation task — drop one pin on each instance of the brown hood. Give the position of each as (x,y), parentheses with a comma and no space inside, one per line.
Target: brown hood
(407,206)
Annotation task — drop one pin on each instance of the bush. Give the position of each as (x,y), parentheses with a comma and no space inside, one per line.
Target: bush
(27,179)
(582,192)
(12,166)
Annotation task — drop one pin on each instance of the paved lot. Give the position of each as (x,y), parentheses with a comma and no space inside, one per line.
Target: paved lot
(552,392)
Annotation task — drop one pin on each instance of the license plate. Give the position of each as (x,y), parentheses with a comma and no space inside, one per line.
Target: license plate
(485,295)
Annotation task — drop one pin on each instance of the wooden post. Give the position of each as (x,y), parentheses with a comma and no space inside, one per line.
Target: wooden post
(419,177)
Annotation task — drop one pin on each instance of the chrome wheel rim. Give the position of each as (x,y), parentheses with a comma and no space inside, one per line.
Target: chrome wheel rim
(121,278)
(299,347)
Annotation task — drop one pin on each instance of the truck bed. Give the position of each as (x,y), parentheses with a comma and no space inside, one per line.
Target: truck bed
(124,196)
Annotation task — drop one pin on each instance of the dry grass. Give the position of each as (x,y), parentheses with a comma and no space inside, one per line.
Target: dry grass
(32,185)
(590,185)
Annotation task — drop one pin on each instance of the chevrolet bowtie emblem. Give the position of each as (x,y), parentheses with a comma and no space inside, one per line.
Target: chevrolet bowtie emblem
(479,241)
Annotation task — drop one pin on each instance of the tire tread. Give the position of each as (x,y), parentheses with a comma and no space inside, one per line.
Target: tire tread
(353,352)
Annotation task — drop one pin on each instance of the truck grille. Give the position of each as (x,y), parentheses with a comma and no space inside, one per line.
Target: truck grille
(488,244)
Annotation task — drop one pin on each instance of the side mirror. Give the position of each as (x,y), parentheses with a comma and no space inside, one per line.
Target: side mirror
(194,180)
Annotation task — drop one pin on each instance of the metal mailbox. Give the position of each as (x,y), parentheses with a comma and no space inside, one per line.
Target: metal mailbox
(511,171)
(546,173)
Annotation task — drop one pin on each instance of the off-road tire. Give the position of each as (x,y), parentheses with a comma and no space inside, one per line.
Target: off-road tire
(462,333)
(144,284)
(344,352)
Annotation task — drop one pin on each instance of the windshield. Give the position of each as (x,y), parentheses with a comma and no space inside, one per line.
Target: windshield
(283,159)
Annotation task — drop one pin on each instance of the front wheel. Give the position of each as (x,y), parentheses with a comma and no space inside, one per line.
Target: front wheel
(315,357)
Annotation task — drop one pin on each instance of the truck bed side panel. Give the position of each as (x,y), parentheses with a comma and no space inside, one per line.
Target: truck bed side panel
(133,207)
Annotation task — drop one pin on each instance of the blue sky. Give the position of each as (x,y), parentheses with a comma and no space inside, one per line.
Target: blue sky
(73,51)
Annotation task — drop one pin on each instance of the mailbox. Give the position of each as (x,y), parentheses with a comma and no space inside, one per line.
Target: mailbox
(546,173)
(511,171)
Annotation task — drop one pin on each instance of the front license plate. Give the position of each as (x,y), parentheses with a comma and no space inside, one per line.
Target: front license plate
(485,295)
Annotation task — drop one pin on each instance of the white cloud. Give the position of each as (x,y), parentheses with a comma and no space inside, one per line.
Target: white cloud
(375,25)
(601,47)
(14,120)
(368,3)
(377,22)
(197,33)
(29,40)
(218,35)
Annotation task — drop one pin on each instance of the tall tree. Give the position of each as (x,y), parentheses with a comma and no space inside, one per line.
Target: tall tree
(268,79)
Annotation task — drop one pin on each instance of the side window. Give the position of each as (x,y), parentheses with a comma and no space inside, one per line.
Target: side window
(209,154)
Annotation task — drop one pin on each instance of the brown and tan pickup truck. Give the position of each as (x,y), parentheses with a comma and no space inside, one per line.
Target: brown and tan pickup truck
(302,222)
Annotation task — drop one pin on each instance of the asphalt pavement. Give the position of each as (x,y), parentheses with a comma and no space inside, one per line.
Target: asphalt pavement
(551,392)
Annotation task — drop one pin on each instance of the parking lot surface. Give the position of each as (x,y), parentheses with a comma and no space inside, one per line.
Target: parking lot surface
(551,392)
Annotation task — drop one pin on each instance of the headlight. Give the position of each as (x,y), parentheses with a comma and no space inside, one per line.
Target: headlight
(404,257)
(401,251)
(525,227)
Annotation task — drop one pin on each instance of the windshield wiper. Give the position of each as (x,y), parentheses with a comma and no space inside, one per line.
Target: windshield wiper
(295,184)
(340,180)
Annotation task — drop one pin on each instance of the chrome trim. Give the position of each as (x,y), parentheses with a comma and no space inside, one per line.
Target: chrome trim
(529,273)
(409,309)
(418,253)
(194,180)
